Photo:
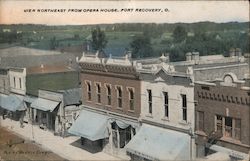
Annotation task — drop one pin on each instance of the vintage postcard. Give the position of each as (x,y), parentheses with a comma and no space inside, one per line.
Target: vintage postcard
(124,80)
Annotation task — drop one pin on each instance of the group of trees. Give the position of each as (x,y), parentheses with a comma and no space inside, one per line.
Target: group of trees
(207,43)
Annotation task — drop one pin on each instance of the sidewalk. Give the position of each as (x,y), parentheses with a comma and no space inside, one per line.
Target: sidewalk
(56,144)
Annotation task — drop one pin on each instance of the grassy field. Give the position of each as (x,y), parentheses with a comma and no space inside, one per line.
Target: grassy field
(54,82)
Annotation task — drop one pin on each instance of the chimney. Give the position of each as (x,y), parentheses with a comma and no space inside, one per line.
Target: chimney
(188,56)
(196,57)
(232,52)
(238,52)
(164,57)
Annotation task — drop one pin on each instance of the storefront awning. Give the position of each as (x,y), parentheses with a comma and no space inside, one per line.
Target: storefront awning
(90,125)
(44,104)
(11,103)
(231,153)
(156,143)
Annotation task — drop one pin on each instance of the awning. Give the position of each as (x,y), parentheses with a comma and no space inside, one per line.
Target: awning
(156,143)
(229,152)
(44,104)
(90,125)
(218,156)
(11,103)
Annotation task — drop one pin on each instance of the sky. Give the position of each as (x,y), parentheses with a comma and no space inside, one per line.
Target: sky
(12,12)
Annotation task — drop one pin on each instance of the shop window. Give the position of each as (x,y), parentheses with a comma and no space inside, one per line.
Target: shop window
(149,101)
(228,127)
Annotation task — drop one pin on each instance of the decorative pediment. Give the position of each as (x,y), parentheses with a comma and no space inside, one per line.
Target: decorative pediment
(159,79)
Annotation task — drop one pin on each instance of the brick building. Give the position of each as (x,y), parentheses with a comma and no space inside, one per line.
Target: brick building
(222,117)
(111,95)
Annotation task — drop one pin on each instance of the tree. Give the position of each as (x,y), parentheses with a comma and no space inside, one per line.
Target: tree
(141,47)
(99,40)
(53,43)
(179,34)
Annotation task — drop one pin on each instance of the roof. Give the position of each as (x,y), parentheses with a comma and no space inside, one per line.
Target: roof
(44,104)
(71,96)
(212,57)
(11,102)
(18,50)
(172,145)
(49,69)
(18,56)
(90,125)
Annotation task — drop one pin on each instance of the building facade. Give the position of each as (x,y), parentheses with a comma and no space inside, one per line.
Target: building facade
(167,111)
(222,117)
(4,81)
(111,91)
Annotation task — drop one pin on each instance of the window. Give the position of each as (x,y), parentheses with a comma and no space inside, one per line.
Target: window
(20,83)
(200,120)
(166,112)
(89,90)
(228,127)
(119,96)
(237,128)
(184,107)
(219,124)
(98,92)
(14,82)
(149,101)
(108,87)
(131,99)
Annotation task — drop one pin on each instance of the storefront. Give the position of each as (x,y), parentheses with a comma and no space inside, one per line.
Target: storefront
(44,113)
(102,129)
(12,107)
(146,145)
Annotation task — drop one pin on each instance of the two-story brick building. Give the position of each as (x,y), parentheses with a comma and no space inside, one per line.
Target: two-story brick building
(222,117)
(111,100)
